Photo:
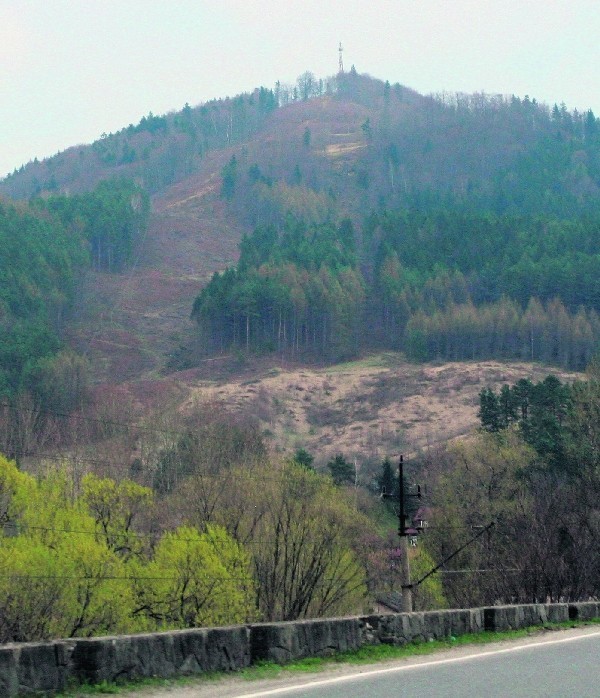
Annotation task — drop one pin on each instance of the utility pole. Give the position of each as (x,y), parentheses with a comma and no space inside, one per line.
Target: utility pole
(407,601)
(406,585)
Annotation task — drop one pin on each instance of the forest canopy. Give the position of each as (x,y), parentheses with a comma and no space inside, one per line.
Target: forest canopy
(46,246)
(449,283)
(39,263)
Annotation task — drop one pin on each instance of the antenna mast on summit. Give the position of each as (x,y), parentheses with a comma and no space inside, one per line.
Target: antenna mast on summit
(341,64)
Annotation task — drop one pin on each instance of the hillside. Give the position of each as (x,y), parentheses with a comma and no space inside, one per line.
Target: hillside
(357,139)
(343,148)
(129,324)
(341,268)
(366,409)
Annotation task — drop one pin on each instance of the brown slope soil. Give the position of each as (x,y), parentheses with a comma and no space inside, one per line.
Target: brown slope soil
(131,324)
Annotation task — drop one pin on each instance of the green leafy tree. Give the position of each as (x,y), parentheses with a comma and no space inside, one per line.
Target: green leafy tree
(482,483)
(308,568)
(115,508)
(196,579)
(57,583)
(306,564)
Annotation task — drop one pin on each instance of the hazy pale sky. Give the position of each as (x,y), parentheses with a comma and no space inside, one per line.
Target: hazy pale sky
(73,69)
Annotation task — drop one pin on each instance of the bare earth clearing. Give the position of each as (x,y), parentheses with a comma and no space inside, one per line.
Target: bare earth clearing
(129,324)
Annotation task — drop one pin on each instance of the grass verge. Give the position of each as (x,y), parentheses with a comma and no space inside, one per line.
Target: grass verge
(369,654)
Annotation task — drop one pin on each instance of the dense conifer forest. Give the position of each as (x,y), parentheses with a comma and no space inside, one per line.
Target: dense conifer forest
(437,284)
(46,247)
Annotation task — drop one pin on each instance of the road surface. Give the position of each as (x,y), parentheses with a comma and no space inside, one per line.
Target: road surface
(562,664)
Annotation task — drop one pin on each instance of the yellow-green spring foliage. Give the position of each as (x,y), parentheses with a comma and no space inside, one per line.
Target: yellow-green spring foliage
(73,564)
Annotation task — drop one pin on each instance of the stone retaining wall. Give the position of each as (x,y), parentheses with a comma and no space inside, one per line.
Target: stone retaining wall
(51,666)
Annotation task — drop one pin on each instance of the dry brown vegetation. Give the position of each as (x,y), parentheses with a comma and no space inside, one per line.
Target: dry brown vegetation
(129,324)
(364,409)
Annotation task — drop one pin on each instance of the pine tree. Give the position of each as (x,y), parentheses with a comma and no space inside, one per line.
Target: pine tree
(489,410)
(342,472)
(387,481)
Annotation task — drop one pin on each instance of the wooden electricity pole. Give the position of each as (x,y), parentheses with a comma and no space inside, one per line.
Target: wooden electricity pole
(406,585)
(407,600)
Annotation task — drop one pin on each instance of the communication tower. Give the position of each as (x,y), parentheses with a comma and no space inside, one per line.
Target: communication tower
(341,63)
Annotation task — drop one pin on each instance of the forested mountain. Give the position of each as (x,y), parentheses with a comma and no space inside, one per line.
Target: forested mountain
(353,138)
(474,235)
(447,226)
(157,151)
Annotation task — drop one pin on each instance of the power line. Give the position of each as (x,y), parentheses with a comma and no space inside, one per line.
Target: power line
(133,534)
(481,571)
(94,420)
(116,577)
(322,582)
(285,474)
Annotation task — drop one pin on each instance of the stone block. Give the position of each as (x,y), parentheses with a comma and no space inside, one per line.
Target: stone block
(533,614)
(276,642)
(584,610)
(189,651)
(38,670)
(122,658)
(495,619)
(391,628)
(459,622)
(161,654)
(227,648)
(557,612)
(9,677)
(434,625)
(284,642)
(476,623)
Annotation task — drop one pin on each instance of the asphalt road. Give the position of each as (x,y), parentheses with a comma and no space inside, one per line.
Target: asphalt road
(562,664)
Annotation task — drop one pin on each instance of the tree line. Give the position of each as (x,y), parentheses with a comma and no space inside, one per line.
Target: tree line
(438,284)
(75,564)
(110,219)
(47,245)
(202,527)
(162,149)
(299,292)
